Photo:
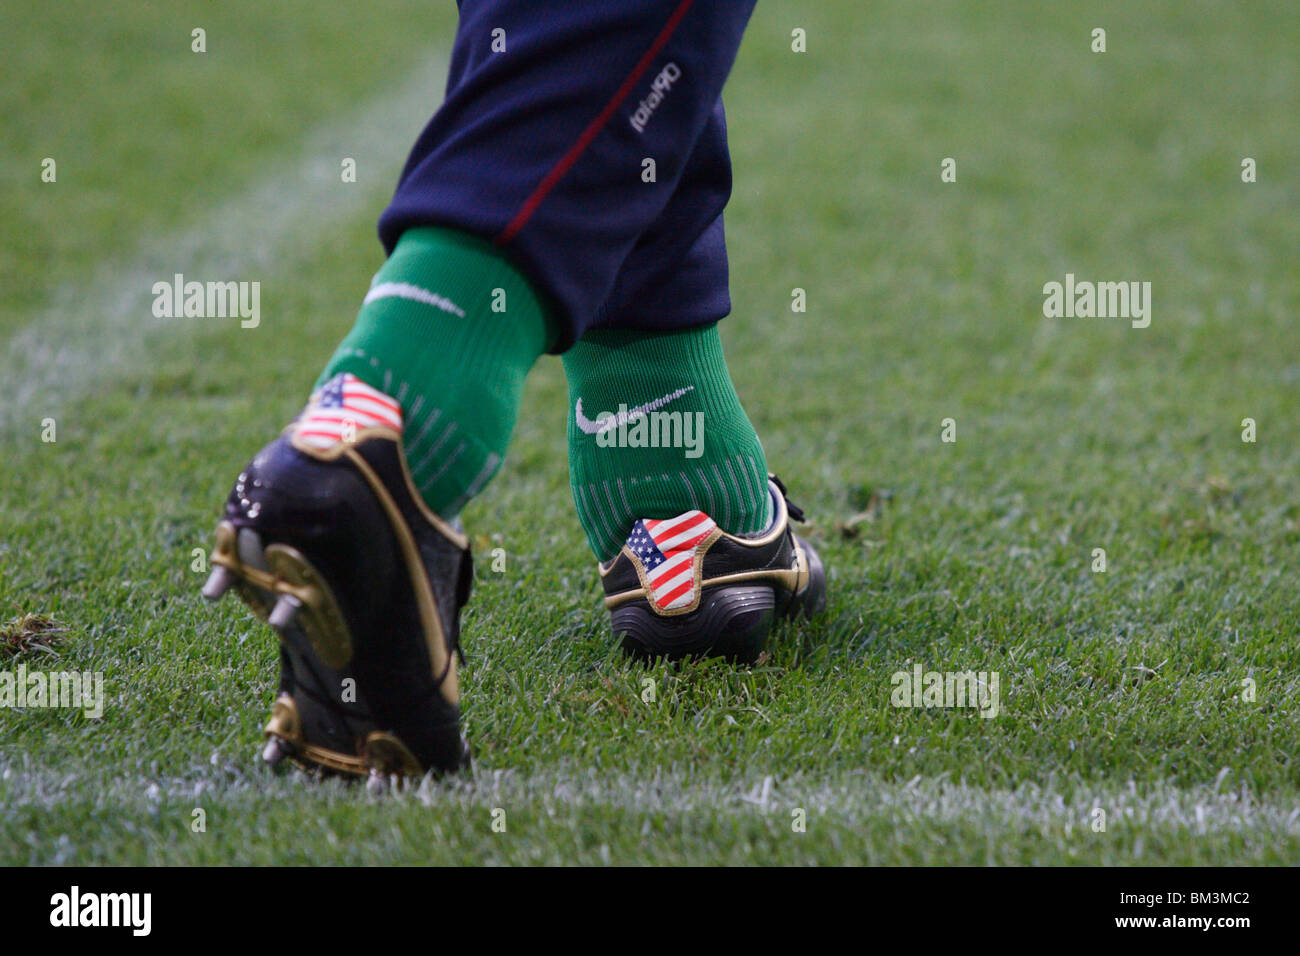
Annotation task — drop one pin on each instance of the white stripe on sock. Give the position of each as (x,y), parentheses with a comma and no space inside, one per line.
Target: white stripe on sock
(404,290)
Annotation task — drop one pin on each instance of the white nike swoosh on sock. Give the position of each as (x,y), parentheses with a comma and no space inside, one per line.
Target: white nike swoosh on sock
(592,428)
(405,290)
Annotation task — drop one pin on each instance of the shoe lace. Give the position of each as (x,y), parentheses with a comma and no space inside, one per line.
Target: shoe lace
(795,512)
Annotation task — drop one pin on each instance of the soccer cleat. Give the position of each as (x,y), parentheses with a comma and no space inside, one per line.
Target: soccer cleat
(325,537)
(682,587)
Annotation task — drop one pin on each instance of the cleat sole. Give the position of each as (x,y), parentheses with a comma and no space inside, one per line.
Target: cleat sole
(308,597)
(731,622)
(283,588)
(274,752)
(282,614)
(221,580)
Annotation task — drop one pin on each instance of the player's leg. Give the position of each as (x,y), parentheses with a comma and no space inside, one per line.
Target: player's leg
(655,343)
(517,208)
(565,133)
(343,531)
(669,476)
(697,554)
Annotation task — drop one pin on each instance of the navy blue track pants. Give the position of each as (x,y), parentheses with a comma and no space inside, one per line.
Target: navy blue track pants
(552,109)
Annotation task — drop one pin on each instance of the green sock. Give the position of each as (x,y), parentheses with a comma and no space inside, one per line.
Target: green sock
(659,431)
(449,329)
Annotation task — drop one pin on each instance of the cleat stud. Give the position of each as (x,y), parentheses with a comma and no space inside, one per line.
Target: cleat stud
(218,583)
(273,752)
(283,612)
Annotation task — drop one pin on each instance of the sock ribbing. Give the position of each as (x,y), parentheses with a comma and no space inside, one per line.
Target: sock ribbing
(675,389)
(449,329)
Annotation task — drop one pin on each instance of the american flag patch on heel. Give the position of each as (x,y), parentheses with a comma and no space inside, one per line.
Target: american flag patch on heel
(666,551)
(344,407)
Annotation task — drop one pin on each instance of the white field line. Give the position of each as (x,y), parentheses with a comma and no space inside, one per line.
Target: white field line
(104,326)
(1198,809)
(846,800)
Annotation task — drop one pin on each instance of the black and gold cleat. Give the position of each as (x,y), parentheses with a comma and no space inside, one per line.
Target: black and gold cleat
(326,538)
(682,587)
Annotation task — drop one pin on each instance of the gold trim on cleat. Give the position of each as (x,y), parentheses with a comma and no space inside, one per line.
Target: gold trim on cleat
(289,572)
(802,572)
(286,725)
(444,527)
(444,664)
(794,579)
(225,553)
(387,756)
(320,617)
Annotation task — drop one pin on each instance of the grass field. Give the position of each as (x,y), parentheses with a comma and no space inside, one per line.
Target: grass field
(1121,691)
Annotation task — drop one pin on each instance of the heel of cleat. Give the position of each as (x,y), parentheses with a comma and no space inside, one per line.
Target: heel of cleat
(285,738)
(731,623)
(363,588)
